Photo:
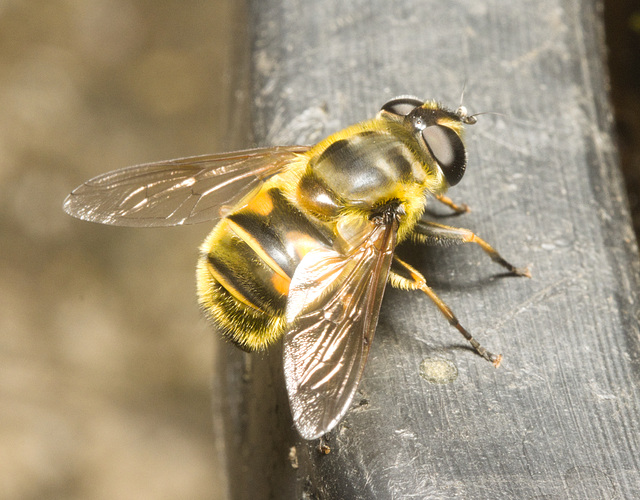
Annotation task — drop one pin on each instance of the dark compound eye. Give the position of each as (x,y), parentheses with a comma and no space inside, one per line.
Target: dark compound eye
(447,149)
(402,106)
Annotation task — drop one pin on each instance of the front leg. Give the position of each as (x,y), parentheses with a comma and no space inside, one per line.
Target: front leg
(432,233)
(458,209)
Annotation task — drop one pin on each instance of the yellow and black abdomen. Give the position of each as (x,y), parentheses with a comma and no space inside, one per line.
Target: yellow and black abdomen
(246,265)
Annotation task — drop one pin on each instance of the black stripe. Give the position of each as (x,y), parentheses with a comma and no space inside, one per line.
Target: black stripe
(266,235)
(242,287)
(398,157)
(270,231)
(337,152)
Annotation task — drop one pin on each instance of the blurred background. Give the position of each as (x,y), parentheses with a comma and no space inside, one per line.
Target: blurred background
(105,362)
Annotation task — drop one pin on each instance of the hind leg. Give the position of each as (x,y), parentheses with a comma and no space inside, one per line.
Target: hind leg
(404,276)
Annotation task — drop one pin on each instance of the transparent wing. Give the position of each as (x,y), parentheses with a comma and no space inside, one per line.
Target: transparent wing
(183,191)
(332,312)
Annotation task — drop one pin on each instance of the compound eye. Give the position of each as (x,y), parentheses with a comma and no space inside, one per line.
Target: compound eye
(402,106)
(447,149)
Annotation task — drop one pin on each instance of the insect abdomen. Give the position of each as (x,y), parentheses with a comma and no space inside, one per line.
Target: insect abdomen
(246,265)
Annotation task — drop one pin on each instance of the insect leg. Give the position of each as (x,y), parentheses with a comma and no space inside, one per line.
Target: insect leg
(404,276)
(459,209)
(432,233)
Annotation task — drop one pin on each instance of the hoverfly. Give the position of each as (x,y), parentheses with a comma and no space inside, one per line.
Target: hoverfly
(305,238)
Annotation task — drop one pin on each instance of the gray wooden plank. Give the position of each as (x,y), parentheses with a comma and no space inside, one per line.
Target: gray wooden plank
(561,417)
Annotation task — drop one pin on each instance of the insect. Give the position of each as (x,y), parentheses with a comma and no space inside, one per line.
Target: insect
(305,238)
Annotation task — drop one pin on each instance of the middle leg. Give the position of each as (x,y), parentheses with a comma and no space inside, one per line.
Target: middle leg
(432,233)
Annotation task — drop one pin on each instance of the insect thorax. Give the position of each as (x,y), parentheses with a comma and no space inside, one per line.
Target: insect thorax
(365,168)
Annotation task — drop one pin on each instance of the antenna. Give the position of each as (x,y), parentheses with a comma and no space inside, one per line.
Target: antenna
(464,87)
(462,111)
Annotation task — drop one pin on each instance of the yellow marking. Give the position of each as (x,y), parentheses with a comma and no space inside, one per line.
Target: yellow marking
(262,204)
(452,124)
(280,284)
(256,247)
(301,243)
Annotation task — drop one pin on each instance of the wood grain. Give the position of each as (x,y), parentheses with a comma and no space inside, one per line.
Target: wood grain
(561,417)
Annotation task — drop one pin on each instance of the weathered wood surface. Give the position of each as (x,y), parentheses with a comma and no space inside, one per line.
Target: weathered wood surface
(561,417)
